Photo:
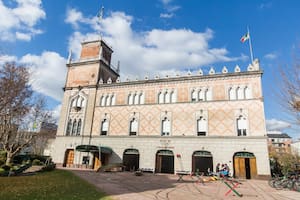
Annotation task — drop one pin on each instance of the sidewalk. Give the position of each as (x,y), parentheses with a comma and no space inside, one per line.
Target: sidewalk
(127,186)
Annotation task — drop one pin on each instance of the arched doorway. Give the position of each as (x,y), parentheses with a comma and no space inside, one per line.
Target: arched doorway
(131,159)
(244,165)
(69,158)
(164,162)
(202,161)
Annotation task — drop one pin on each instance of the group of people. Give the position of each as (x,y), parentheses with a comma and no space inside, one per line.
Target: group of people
(222,170)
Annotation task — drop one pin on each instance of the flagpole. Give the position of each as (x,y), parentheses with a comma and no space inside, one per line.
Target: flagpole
(250,44)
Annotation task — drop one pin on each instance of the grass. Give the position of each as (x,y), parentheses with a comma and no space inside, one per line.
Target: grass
(56,185)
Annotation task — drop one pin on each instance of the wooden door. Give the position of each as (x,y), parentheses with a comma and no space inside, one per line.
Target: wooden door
(239,167)
(253,169)
(69,160)
(97,162)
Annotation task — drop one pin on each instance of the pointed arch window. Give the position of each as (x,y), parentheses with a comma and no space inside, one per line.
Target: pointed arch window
(202,95)
(247,93)
(133,127)
(78,127)
(113,100)
(240,93)
(104,127)
(74,127)
(166,127)
(69,127)
(160,97)
(194,96)
(173,97)
(201,126)
(102,101)
(142,98)
(242,126)
(107,101)
(136,99)
(130,99)
(232,95)
(167,97)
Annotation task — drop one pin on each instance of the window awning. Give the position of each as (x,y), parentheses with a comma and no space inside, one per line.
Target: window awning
(202,154)
(93,149)
(165,153)
(131,151)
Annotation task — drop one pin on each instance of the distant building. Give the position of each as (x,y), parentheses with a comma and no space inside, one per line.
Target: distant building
(279,142)
(186,122)
(296,147)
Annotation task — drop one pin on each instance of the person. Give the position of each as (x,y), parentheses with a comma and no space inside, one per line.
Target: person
(218,168)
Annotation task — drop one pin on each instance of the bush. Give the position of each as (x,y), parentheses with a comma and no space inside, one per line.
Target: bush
(6,167)
(37,162)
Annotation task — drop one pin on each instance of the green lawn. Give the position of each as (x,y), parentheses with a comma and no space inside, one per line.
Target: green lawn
(57,184)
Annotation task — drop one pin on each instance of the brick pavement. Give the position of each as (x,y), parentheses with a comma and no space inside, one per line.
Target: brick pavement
(127,186)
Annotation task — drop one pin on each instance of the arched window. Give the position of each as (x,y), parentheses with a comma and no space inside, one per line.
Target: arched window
(74,127)
(113,100)
(201,126)
(142,98)
(69,127)
(247,93)
(167,97)
(160,97)
(130,99)
(241,126)
(194,96)
(102,103)
(202,95)
(208,95)
(136,99)
(73,104)
(173,97)
(240,93)
(78,127)
(104,127)
(166,127)
(107,100)
(232,95)
(133,127)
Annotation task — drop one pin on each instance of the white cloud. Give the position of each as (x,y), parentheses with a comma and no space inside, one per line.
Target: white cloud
(276,125)
(48,73)
(23,36)
(7,58)
(270,56)
(166,15)
(21,19)
(153,51)
(169,8)
(56,112)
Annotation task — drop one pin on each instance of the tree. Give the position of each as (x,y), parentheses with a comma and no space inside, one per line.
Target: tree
(18,110)
(289,91)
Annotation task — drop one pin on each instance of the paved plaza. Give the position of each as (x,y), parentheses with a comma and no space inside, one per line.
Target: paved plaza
(127,186)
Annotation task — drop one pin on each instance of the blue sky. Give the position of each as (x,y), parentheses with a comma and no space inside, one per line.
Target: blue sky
(152,37)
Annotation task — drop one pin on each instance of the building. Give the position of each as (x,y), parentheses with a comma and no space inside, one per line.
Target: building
(296,147)
(165,124)
(279,142)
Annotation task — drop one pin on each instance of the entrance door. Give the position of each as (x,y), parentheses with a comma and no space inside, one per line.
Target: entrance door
(131,159)
(69,158)
(96,161)
(164,162)
(202,162)
(245,165)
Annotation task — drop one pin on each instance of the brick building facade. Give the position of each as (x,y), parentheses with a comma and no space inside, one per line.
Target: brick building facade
(168,124)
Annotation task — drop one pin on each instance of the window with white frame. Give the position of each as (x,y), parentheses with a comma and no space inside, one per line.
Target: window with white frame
(194,95)
(166,127)
(241,126)
(104,127)
(78,131)
(74,127)
(108,100)
(239,93)
(201,127)
(136,98)
(69,127)
(133,129)
(166,96)
(201,94)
